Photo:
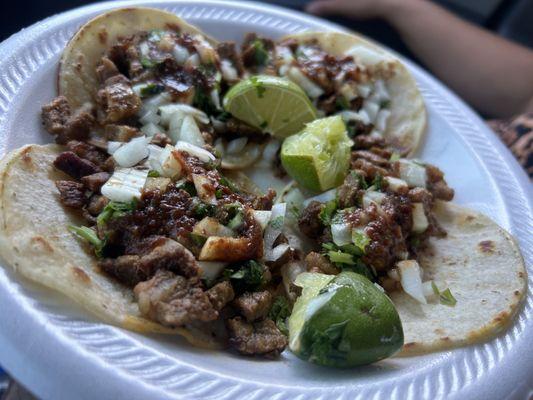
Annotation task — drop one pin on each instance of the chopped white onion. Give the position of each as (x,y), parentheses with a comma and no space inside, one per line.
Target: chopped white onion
(381,119)
(211,227)
(154,158)
(236,145)
(132,152)
(364,55)
(204,188)
(167,110)
(193,150)
(289,272)
(393,274)
(247,157)
(420,221)
(143,47)
(371,109)
(174,125)
(125,184)
(113,146)
(395,184)
(284,54)
(229,72)
(322,197)
(206,52)
(262,217)
(193,61)
(151,129)
(410,278)
(169,165)
(341,234)
(360,115)
(277,252)
(412,173)
(274,228)
(215,99)
(364,90)
(150,117)
(180,53)
(190,132)
(372,196)
(309,87)
(211,269)
(348,90)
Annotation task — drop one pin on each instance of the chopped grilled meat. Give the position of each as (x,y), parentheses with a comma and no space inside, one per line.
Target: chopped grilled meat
(316,262)
(58,120)
(366,142)
(116,100)
(96,204)
(157,253)
(309,221)
(253,305)
(371,157)
(88,152)
(106,69)
(264,202)
(220,295)
(437,185)
(260,338)
(173,300)
(71,194)
(75,166)
(95,181)
(370,170)
(121,133)
(349,193)
(236,128)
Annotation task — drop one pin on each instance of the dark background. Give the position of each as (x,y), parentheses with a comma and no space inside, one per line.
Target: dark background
(510,18)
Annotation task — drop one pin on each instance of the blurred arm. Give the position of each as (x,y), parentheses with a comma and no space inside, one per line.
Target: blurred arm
(491,73)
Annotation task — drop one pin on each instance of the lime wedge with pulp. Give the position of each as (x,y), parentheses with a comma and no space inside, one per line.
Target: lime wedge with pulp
(272,104)
(343,321)
(318,157)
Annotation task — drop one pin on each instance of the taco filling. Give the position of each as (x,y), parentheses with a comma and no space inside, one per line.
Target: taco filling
(154,169)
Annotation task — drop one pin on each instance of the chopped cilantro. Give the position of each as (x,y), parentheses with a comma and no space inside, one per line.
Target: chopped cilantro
(339,257)
(203,101)
(385,104)
(198,240)
(153,174)
(445,297)
(114,209)
(360,179)
(237,221)
(151,89)
(360,240)
(263,124)
(224,116)
(327,213)
(229,184)
(147,62)
(90,236)
(219,193)
(394,157)
(247,276)
(202,210)
(328,344)
(259,87)
(362,269)
(187,186)
(377,183)
(279,312)
(277,222)
(260,52)
(341,103)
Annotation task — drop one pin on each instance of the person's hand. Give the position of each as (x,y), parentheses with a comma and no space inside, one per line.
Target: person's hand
(359,9)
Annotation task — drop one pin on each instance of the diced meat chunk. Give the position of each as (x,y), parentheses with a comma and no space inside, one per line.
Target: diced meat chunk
(116,100)
(249,50)
(158,253)
(260,338)
(95,181)
(370,170)
(106,69)
(173,300)
(228,51)
(309,221)
(58,120)
(96,204)
(121,133)
(265,201)
(87,151)
(75,166)
(316,262)
(254,305)
(221,294)
(71,194)
(160,139)
(349,192)
(367,142)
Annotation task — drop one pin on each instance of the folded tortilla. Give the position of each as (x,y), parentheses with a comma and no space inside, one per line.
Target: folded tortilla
(406,125)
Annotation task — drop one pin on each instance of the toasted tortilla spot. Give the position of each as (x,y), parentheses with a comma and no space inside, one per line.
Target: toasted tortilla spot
(502,316)
(517,293)
(102,36)
(26,157)
(486,246)
(81,275)
(410,344)
(42,244)
(445,338)
(439,331)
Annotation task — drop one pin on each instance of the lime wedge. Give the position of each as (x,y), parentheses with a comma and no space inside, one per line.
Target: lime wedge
(318,157)
(275,105)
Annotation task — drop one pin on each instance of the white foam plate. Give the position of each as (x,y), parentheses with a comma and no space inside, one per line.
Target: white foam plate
(61,352)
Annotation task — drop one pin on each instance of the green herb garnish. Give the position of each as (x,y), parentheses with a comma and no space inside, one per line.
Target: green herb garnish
(445,297)
(327,213)
(377,183)
(260,52)
(385,104)
(197,239)
(147,62)
(279,312)
(187,186)
(150,89)
(90,236)
(341,103)
(339,257)
(360,239)
(259,87)
(247,276)
(115,209)
(360,179)
(394,157)
(153,174)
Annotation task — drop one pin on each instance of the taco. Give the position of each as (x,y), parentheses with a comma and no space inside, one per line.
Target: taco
(147,213)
